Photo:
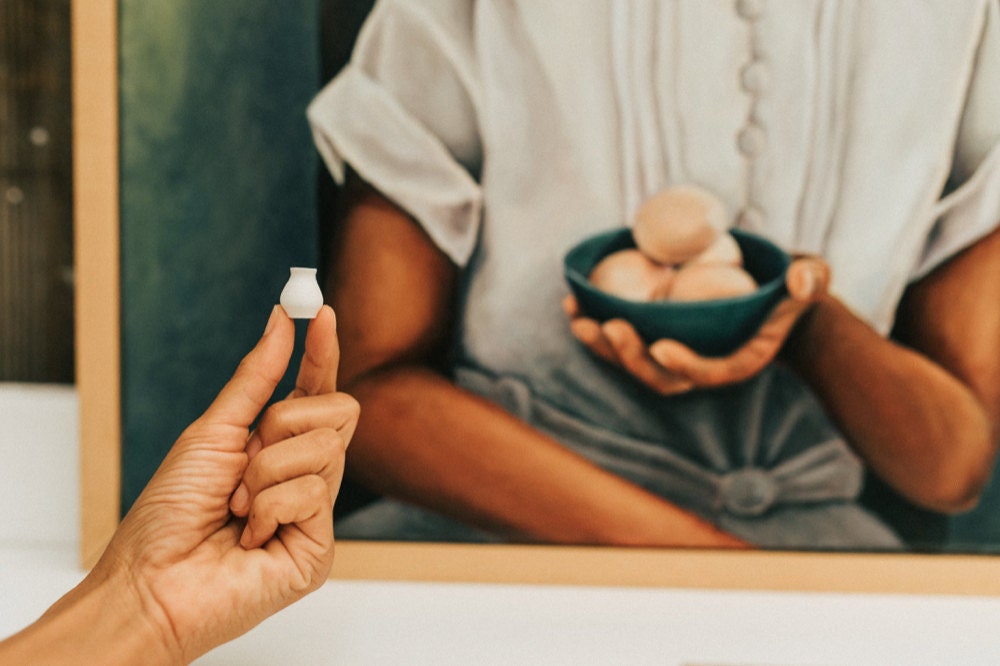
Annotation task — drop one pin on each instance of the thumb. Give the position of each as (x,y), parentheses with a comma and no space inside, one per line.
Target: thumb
(808,278)
(245,395)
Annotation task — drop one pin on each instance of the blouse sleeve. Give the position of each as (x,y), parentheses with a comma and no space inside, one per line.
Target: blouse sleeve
(971,208)
(402,113)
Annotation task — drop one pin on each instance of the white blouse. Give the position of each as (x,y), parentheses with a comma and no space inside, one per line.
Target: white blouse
(562,115)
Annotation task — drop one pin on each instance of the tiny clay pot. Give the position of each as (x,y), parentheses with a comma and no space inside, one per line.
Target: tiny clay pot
(302,298)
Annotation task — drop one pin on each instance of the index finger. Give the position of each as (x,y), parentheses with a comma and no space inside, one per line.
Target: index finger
(741,364)
(245,394)
(321,359)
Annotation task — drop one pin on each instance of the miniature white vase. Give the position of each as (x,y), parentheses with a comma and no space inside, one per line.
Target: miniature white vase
(302,298)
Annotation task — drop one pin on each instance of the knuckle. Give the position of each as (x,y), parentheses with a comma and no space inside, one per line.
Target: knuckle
(254,474)
(277,417)
(351,406)
(332,442)
(315,490)
(340,408)
(263,506)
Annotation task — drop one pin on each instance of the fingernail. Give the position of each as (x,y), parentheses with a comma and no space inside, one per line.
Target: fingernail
(808,283)
(240,500)
(271,320)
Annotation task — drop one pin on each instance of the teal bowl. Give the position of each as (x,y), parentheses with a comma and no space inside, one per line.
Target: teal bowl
(711,328)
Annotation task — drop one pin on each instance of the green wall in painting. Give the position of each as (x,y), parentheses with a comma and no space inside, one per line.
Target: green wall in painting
(218,198)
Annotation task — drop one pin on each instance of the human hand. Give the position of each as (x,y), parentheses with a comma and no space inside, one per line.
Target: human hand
(670,367)
(235,526)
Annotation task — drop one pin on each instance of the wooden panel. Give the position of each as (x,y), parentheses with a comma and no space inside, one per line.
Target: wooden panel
(679,568)
(97,228)
(95,123)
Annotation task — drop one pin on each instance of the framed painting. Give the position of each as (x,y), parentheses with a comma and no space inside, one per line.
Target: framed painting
(196,186)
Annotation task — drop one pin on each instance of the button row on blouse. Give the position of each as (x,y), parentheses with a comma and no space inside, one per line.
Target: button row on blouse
(753,77)
(750,9)
(752,138)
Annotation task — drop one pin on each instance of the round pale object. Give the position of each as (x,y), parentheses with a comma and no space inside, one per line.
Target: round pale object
(678,223)
(705,282)
(630,274)
(754,77)
(724,250)
(664,283)
(751,10)
(751,140)
(301,297)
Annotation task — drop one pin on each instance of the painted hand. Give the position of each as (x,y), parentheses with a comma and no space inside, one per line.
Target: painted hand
(670,367)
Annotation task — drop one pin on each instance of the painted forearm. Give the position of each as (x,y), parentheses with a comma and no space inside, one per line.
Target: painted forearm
(425,440)
(918,426)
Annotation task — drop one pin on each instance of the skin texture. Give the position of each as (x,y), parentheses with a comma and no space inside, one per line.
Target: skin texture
(232,527)
(930,431)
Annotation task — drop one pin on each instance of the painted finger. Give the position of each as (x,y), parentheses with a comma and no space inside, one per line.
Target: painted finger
(710,372)
(634,356)
(589,332)
(807,278)
(570,306)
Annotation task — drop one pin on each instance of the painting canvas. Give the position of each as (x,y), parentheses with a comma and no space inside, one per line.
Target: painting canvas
(222,189)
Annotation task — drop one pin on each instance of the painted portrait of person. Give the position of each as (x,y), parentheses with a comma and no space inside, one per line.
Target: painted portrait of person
(477,142)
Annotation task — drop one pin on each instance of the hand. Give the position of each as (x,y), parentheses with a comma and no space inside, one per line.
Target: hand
(202,573)
(670,367)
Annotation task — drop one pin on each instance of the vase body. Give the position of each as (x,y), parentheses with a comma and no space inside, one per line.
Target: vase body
(301,297)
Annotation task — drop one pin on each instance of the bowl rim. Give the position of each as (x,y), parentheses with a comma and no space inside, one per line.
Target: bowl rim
(764,290)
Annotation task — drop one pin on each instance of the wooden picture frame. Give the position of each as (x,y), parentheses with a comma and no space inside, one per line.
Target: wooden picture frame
(98,313)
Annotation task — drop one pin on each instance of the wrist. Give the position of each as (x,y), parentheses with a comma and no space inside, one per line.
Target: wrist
(102,620)
(805,341)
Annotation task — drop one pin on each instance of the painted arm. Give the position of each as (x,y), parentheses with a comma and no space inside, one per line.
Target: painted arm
(922,408)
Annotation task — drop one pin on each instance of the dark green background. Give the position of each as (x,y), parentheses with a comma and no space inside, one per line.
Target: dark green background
(218,198)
